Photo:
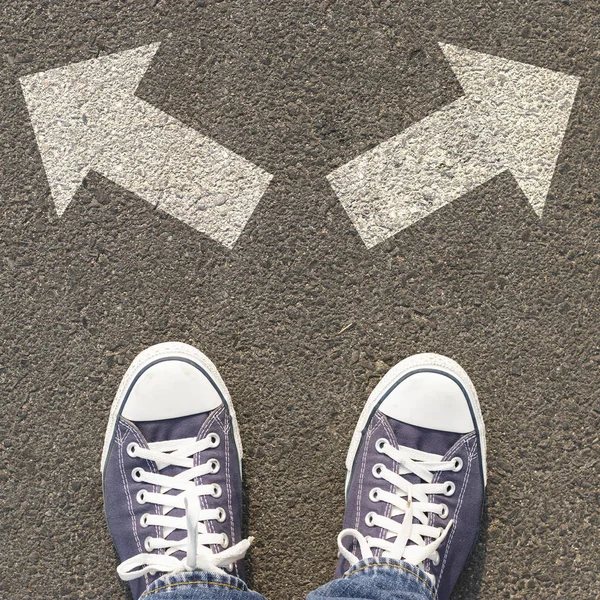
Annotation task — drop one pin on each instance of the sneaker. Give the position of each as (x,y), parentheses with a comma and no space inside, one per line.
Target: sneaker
(416,472)
(171,469)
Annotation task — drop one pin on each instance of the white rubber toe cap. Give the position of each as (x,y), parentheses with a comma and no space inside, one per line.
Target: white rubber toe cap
(167,381)
(169,389)
(431,400)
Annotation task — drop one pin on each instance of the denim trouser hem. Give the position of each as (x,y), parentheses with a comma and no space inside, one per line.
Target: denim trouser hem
(381,565)
(187,582)
(369,579)
(379,579)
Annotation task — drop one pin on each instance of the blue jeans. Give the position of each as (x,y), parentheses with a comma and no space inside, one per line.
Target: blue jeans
(370,579)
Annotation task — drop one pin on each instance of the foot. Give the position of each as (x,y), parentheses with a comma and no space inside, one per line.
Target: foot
(171,469)
(416,472)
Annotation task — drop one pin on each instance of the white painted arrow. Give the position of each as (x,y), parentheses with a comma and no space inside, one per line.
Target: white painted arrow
(86,117)
(513,116)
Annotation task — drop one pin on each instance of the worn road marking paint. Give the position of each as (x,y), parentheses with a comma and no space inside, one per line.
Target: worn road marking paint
(86,117)
(513,116)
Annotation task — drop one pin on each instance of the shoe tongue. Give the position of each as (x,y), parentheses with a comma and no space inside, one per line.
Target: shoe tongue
(173,429)
(421,438)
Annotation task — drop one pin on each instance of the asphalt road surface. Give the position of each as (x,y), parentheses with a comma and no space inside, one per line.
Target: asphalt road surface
(302,318)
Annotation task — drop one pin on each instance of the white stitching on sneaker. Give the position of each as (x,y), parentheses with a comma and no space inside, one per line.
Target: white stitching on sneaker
(390,436)
(452,452)
(226,430)
(205,430)
(210,423)
(128,495)
(140,440)
(362,476)
(409,543)
(471,456)
(196,545)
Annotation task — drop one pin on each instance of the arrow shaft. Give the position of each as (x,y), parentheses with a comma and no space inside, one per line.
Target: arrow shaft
(177,169)
(512,116)
(415,173)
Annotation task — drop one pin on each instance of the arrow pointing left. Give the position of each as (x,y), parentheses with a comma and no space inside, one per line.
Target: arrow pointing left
(86,117)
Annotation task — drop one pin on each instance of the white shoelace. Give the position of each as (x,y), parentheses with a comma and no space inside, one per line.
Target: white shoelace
(196,545)
(410,500)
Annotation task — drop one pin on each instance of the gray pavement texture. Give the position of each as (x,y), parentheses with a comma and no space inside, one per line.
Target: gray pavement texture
(301,319)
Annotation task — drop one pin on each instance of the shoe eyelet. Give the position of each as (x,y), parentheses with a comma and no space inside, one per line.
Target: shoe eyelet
(380,444)
(458,464)
(378,470)
(141,497)
(215,465)
(435,561)
(374,495)
(370,519)
(137,473)
(144,520)
(444,512)
(216,491)
(222,515)
(225,541)
(132,448)
(214,440)
(148,544)
(450,488)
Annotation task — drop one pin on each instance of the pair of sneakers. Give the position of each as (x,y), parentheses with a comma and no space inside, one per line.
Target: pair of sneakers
(172,471)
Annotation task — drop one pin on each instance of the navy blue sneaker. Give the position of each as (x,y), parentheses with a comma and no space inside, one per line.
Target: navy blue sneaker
(416,472)
(171,469)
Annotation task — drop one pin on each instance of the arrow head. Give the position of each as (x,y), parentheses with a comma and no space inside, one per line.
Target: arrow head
(63,104)
(527,109)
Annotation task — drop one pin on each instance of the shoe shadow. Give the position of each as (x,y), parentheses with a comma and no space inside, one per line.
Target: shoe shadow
(468,586)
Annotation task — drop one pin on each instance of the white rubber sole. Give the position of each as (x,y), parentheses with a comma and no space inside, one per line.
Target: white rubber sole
(147,357)
(403,368)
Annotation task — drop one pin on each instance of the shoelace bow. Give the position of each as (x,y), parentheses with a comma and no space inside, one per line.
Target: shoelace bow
(196,545)
(410,500)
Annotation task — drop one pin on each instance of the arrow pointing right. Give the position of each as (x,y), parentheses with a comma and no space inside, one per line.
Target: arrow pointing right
(86,117)
(513,116)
